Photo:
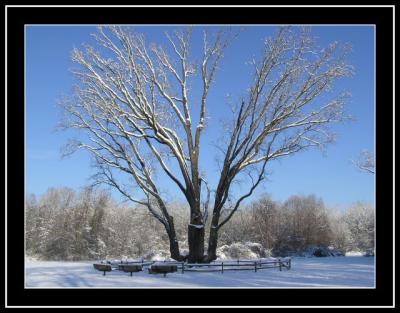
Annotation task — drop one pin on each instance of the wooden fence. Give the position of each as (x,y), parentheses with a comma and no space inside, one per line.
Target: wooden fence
(218,266)
(237,265)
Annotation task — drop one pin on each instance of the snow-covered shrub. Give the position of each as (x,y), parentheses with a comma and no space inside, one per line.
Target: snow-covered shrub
(235,251)
(247,250)
(159,255)
(309,251)
(354,253)
(361,230)
(257,248)
(367,253)
(323,251)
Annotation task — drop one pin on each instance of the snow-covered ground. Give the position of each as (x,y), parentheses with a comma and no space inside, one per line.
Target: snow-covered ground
(329,272)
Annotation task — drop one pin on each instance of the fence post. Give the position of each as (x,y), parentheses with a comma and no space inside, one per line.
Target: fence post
(255,266)
(183,267)
(222,267)
(280,265)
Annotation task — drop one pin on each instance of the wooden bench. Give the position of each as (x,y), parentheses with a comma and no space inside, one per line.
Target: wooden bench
(103,268)
(130,268)
(162,269)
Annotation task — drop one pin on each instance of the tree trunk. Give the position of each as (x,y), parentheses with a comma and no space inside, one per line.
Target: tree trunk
(173,241)
(196,235)
(196,243)
(212,245)
(174,250)
(213,239)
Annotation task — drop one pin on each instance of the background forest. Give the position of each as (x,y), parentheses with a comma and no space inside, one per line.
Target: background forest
(64,224)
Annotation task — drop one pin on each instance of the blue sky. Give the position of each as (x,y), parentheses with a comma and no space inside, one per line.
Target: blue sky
(330,176)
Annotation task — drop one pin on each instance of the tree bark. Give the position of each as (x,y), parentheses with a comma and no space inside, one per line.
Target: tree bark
(174,250)
(196,243)
(212,245)
(196,235)
(173,241)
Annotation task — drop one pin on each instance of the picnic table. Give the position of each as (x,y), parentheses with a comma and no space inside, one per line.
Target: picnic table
(102,267)
(130,268)
(162,268)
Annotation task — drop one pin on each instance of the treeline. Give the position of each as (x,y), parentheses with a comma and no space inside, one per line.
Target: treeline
(67,225)
(300,222)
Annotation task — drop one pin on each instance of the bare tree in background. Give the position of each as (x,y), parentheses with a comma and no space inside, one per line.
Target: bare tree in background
(365,162)
(133,102)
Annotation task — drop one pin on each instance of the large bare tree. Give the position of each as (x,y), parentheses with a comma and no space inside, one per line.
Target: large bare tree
(133,101)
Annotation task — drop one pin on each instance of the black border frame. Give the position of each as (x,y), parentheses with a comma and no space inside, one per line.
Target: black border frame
(17,17)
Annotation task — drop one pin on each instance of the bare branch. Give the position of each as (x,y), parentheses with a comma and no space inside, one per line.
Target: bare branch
(365,162)
(280,116)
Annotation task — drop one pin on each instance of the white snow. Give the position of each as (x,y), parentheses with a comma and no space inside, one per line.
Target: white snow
(328,272)
(197,226)
(354,253)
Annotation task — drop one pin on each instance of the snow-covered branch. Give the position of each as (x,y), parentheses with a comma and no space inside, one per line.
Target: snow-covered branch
(281,114)
(365,162)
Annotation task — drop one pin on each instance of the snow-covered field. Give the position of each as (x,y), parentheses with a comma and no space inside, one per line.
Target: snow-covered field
(305,272)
